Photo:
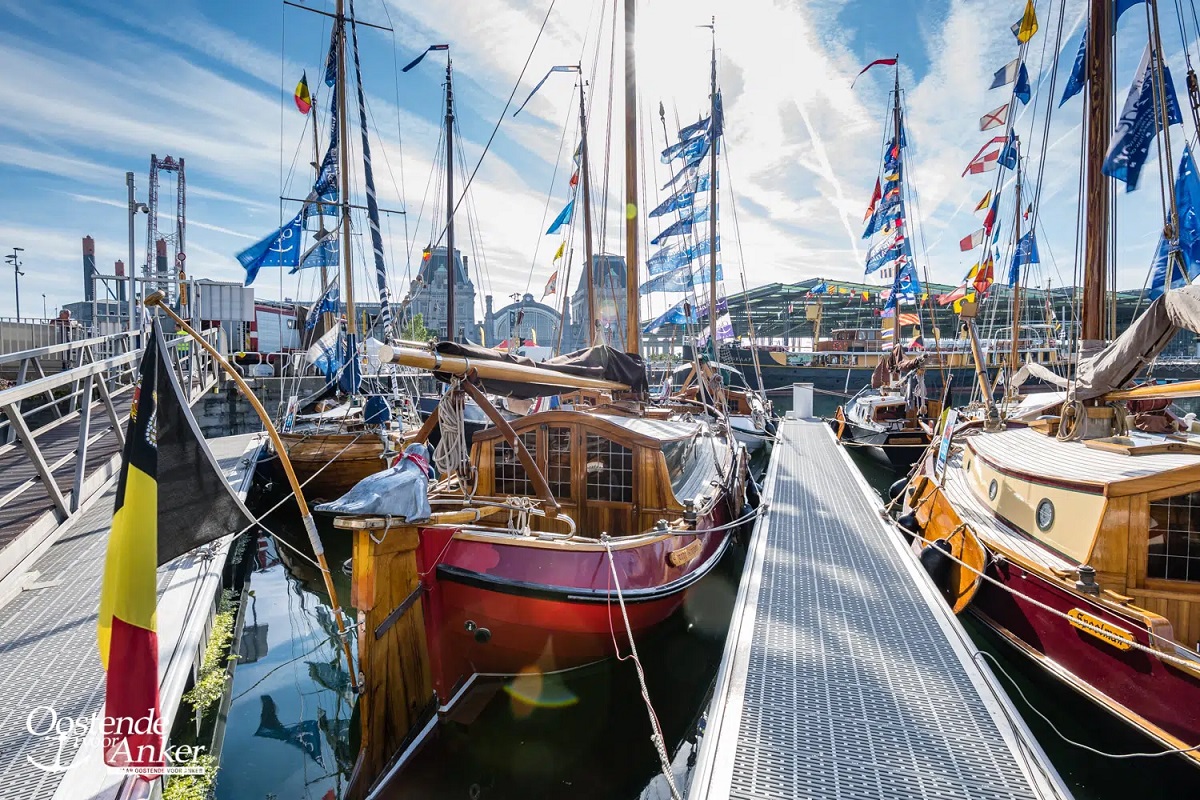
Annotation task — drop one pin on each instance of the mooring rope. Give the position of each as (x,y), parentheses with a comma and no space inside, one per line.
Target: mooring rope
(656,736)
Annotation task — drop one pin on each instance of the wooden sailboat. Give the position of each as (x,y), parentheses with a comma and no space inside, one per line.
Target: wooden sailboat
(1073,529)
(891,414)
(331,455)
(559,527)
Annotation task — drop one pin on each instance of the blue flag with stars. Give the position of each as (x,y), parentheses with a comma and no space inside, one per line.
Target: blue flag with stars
(1140,121)
(1026,253)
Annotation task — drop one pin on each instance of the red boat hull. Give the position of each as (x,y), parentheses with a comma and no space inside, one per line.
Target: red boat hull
(517,606)
(1150,693)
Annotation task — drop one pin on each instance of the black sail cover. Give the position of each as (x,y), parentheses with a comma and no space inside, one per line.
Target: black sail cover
(196,505)
(601,363)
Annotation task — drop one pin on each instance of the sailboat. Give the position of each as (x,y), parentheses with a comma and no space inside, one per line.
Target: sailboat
(1069,526)
(892,413)
(689,265)
(332,449)
(568,523)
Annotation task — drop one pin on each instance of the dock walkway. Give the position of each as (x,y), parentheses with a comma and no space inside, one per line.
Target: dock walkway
(48,655)
(845,675)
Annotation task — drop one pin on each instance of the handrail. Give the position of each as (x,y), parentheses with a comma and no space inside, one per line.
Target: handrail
(41,352)
(42,385)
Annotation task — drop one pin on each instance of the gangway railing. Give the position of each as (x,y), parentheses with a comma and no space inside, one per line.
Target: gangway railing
(78,416)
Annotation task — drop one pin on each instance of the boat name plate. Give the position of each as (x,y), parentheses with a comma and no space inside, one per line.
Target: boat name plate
(1112,634)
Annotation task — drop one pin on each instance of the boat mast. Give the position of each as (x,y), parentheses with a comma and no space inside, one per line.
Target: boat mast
(897,129)
(632,343)
(712,201)
(1013,354)
(586,188)
(451,332)
(344,168)
(312,113)
(1096,183)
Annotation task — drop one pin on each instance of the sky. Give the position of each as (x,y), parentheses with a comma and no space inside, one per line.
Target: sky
(93,88)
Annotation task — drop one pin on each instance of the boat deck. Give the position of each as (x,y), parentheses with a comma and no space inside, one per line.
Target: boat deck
(48,655)
(844,675)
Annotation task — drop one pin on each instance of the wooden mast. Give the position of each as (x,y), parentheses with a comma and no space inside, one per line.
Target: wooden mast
(712,202)
(451,332)
(586,188)
(897,131)
(1096,183)
(344,170)
(632,339)
(1013,353)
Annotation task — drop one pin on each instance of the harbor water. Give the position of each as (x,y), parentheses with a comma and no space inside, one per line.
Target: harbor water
(584,735)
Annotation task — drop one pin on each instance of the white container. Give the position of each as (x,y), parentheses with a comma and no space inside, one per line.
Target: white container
(802,401)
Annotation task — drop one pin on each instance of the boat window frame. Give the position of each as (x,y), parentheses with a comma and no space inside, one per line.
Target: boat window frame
(1162,579)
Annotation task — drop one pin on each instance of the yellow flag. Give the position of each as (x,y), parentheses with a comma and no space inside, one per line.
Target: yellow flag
(1028,26)
(559,253)
(974,271)
(987,198)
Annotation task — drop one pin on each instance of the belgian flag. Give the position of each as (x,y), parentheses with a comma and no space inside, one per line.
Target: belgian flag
(128,639)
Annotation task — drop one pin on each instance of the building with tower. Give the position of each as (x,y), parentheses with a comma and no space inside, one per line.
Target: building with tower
(427,295)
(608,280)
(529,319)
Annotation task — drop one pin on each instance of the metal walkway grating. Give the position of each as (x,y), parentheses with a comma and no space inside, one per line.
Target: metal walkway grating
(841,680)
(48,654)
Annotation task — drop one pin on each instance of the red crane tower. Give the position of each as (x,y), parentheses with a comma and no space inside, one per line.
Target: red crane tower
(157,271)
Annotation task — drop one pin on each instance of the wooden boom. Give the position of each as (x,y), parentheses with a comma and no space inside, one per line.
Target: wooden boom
(495,370)
(1181,389)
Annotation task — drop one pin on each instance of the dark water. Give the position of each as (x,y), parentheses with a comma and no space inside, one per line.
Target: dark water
(585,736)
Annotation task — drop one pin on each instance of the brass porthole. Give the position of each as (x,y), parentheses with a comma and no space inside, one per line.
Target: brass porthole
(993,488)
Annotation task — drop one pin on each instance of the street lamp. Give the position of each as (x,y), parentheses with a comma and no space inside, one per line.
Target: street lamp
(134,208)
(15,260)
(44,306)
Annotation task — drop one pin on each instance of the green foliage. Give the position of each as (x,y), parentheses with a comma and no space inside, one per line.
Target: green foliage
(210,685)
(193,787)
(414,329)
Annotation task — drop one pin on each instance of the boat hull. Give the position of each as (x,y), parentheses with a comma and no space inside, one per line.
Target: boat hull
(1154,696)
(350,458)
(900,449)
(531,607)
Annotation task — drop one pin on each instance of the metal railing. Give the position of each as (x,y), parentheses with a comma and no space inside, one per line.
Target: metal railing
(34,409)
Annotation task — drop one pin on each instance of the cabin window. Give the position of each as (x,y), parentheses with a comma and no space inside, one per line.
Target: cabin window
(609,470)
(511,478)
(558,462)
(1174,538)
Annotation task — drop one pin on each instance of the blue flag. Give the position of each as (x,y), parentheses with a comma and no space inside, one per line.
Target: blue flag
(1022,89)
(322,253)
(681,199)
(683,279)
(1010,156)
(906,286)
(1140,121)
(1078,78)
(682,225)
(1180,258)
(675,315)
(327,302)
(563,218)
(1026,253)
(693,129)
(278,249)
(820,288)
(691,164)
(674,256)
(686,150)
(885,213)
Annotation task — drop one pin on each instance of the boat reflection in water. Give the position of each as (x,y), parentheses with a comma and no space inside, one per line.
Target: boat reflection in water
(290,734)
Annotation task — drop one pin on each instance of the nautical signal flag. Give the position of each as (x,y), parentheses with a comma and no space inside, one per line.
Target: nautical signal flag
(126,629)
(989,221)
(559,252)
(552,284)
(303,97)
(909,319)
(957,294)
(984,276)
(994,119)
(875,196)
(987,198)
(1027,25)
(985,161)
(574,178)
(1006,74)
(972,241)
